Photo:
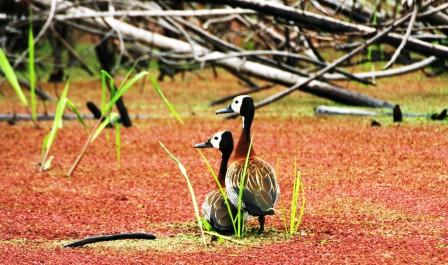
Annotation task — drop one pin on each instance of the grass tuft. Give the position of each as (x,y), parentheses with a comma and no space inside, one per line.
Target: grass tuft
(239,216)
(75,110)
(170,106)
(57,124)
(183,171)
(298,195)
(112,118)
(10,75)
(107,117)
(125,86)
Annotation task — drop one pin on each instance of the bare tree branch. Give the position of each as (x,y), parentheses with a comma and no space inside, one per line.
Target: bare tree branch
(405,38)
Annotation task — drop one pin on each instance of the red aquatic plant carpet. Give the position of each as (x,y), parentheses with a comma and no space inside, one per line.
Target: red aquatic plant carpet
(374,195)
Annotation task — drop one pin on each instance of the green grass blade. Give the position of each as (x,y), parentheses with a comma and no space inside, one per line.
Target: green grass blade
(118,141)
(57,123)
(58,116)
(47,164)
(190,188)
(32,72)
(225,238)
(302,206)
(126,77)
(123,90)
(60,109)
(298,191)
(73,108)
(112,118)
(44,145)
(221,189)
(11,77)
(242,183)
(206,225)
(103,75)
(293,210)
(170,107)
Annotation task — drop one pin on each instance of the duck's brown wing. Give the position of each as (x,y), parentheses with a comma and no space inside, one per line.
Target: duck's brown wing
(261,190)
(216,213)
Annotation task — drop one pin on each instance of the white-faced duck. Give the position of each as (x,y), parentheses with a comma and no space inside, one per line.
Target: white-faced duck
(214,208)
(261,190)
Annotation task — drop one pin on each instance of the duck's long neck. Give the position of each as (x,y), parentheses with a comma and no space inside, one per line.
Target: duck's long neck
(223,168)
(243,143)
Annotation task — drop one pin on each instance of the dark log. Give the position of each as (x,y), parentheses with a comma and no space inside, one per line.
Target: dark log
(439,116)
(106,58)
(122,110)
(375,123)
(96,112)
(105,238)
(397,114)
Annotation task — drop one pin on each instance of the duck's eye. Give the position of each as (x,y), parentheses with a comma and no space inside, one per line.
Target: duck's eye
(216,138)
(236,101)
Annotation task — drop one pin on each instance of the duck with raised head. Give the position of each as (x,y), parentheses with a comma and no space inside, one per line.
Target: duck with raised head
(261,190)
(214,207)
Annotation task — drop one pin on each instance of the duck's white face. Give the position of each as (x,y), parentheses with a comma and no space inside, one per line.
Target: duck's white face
(216,139)
(237,103)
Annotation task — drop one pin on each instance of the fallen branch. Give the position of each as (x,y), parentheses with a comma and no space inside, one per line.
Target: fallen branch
(331,110)
(405,38)
(286,54)
(387,73)
(328,68)
(158,13)
(247,66)
(317,22)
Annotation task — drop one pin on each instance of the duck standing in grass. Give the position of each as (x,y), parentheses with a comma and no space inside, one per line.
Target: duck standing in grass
(214,207)
(261,190)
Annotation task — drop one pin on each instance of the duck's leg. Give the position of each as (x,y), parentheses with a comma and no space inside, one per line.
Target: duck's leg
(261,220)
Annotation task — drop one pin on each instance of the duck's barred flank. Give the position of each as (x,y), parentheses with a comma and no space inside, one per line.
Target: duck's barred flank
(261,190)
(215,212)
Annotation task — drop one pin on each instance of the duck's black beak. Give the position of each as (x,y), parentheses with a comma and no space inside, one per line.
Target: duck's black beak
(227,109)
(207,144)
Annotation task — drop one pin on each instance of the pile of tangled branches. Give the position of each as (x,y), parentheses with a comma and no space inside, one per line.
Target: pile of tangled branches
(288,43)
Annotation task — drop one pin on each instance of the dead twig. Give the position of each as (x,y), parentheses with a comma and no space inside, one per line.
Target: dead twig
(405,38)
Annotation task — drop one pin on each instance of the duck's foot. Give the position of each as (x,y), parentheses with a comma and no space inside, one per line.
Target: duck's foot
(261,220)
